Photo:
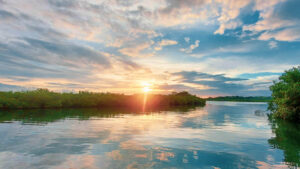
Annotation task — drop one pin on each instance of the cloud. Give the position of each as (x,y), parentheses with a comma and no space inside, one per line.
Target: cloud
(6,15)
(228,17)
(216,84)
(187,39)
(137,51)
(165,42)
(292,34)
(227,25)
(92,21)
(258,74)
(50,56)
(278,20)
(70,52)
(260,83)
(59,65)
(191,47)
(177,12)
(7,87)
(273,44)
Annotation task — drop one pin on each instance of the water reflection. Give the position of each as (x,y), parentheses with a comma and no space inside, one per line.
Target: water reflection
(287,138)
(40,116)
(220,135)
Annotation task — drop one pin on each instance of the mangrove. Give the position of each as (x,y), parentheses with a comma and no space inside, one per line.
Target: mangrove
(44,98)
(285,103)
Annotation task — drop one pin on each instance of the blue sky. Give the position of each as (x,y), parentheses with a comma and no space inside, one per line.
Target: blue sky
(209,48)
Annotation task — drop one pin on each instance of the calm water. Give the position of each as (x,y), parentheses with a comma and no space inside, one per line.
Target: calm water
(219,135)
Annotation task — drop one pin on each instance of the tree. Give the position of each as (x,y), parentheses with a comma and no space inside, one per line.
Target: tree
(285,102)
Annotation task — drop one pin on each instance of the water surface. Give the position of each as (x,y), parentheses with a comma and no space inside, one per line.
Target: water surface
(219,135)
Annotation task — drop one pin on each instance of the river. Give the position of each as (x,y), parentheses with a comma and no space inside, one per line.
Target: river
(219,135)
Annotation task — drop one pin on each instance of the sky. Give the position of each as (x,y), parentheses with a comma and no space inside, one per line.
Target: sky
(205,47)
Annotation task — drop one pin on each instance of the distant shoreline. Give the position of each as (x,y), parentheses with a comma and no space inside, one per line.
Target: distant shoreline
(236,101)
(241,99)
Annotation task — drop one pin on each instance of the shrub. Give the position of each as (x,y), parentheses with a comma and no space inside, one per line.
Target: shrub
(285,102)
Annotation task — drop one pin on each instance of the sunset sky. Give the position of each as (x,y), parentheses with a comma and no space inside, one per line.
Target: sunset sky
(206,47)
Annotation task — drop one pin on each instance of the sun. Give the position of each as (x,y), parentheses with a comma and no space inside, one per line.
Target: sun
(146,89)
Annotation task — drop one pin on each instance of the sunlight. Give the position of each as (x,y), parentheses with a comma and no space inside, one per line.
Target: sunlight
(146,89)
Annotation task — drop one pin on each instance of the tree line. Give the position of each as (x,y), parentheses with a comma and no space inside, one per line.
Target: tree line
(241,98)
(43,98)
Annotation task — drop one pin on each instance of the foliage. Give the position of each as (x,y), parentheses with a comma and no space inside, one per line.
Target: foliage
(43,98)
(286,96)
(241,98)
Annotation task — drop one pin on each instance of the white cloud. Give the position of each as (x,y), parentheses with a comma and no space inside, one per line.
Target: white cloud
(165,42)
(179,12)
(273,44)
(272,24)
(292,34)
(187,39)
(227,25)
(260,82)
(191,47)
(137,50)
(230,10)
